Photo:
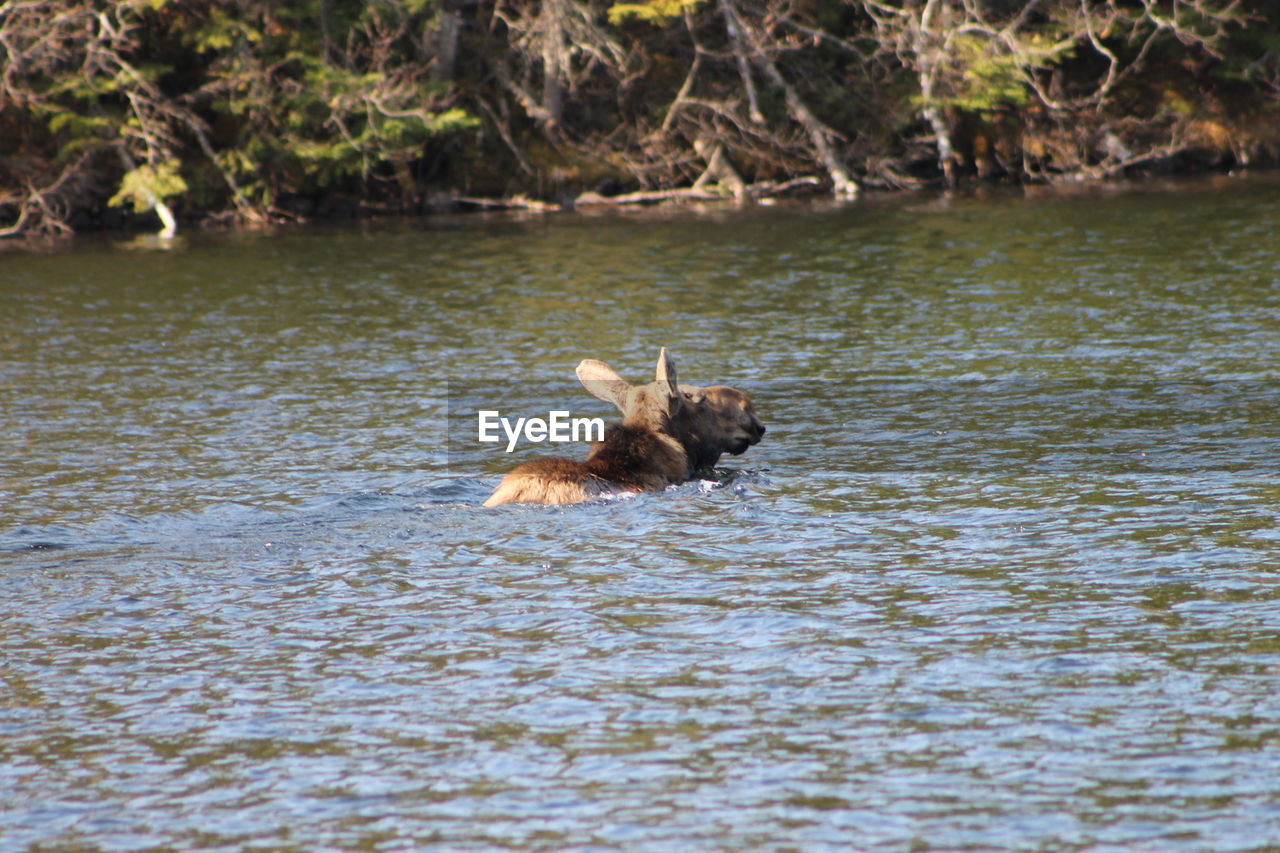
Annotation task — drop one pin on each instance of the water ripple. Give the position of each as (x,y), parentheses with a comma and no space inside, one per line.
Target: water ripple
(1000,577)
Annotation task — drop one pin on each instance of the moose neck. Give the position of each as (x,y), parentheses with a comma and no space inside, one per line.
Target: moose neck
(639,456)
(699,449)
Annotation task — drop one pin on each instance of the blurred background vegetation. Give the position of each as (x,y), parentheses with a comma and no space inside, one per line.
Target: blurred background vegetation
(265,110)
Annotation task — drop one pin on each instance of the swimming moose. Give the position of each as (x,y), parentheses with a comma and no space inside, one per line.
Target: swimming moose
(668,431)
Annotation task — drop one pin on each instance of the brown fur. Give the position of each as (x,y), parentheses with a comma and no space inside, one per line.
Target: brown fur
(668,432)
(715,420)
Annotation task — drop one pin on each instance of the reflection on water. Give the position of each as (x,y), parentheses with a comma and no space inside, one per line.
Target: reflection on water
(1000,576)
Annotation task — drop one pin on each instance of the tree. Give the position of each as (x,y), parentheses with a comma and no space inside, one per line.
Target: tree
(248,111)
(90,95)
(1071,72)
(70,91)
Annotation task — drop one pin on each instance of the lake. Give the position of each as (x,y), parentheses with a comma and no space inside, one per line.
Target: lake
(1004,573)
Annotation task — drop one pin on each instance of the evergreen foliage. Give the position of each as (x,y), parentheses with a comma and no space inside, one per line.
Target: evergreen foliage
(250,111)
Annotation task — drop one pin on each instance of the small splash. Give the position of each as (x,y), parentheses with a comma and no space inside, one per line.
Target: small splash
(32,540)
(45,546)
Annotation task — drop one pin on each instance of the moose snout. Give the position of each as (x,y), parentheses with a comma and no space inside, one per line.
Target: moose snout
(747,435)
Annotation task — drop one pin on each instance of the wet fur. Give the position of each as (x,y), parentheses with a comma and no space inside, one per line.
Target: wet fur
(668,433)
(630,459)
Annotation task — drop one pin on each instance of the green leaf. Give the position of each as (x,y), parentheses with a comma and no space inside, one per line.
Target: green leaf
(651,11)
(78,125)
(143,186)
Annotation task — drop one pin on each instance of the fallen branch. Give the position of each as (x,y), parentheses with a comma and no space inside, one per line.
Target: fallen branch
(518,202)
(764,189)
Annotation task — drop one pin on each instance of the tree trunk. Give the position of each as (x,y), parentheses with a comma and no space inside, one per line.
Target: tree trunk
(819,134)
(928,57)
(555,59)
(446,44)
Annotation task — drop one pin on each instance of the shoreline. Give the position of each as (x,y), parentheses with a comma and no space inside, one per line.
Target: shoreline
(143,231)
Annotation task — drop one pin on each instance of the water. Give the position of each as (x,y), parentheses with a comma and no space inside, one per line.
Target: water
(1001,576)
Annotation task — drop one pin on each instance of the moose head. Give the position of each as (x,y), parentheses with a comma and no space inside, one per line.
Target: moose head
(706,421)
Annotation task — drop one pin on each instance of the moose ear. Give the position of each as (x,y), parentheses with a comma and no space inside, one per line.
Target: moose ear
(666,375)
(603,383)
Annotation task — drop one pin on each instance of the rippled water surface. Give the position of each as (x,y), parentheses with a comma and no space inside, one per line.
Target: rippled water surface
(1001,576)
